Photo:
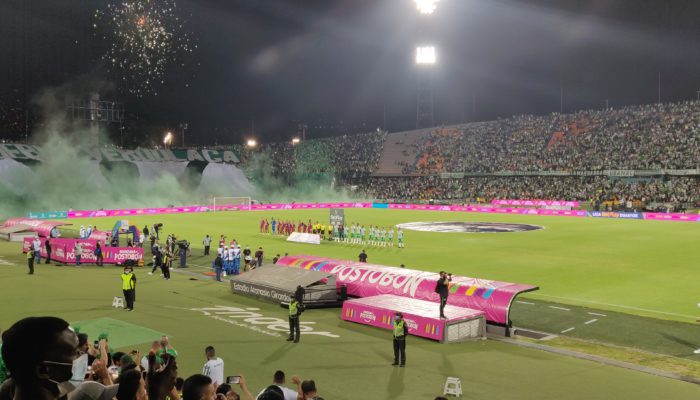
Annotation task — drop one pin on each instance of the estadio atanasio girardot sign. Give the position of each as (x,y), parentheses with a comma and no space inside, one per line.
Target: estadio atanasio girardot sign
(30,152)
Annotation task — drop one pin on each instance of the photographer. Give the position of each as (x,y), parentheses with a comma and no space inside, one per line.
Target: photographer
(443,289)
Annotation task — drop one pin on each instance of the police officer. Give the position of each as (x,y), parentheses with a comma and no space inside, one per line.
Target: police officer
(442,288)
(399,333)
(129,287)
(30,261)
(295,309)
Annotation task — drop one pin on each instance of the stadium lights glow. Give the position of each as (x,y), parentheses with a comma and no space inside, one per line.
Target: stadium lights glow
(251,143)
(426,6)
(425,55)
(168,139)
(296,140)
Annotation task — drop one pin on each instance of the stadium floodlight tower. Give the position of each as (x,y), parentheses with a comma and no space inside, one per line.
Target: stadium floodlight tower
(426,6)
(425,59)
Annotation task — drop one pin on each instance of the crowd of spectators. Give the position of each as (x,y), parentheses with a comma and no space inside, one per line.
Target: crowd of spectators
(651,136)
(646,137)
(677,192)
(44,358)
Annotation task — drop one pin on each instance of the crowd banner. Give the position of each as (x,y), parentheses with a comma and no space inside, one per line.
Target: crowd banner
(63,250)
(672,217)
(535,203)
(363,280)
(30,152)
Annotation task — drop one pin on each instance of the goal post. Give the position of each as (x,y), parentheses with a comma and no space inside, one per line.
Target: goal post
(230,203)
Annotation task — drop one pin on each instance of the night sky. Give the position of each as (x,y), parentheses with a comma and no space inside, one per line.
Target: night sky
(343,66)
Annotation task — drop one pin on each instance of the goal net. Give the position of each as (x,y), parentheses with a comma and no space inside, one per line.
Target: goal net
(230,203)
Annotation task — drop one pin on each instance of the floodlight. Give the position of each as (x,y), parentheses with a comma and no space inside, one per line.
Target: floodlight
(426,6)
(168,139)
(425,55)
(296,140)
(251,143)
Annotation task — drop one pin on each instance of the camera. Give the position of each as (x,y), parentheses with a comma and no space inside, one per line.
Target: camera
(233,380)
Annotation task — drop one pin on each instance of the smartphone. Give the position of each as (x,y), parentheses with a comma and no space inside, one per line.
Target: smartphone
(96,344)
(233,380)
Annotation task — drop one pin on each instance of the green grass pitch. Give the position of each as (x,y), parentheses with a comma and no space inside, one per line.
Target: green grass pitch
(636,267)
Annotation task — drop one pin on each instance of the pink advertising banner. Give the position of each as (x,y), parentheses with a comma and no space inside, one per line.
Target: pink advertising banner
(363,280)
(422,317)
(63,250)
(672,217)
(489,210)
(535,203)
(41,227)
(307,206)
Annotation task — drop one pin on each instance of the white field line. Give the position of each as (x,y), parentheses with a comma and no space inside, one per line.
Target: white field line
(614,305)
(525,302)
(590,322)
(560,308)
(597,315)
(567,330)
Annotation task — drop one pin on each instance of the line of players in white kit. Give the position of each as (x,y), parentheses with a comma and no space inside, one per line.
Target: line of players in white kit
(373,235)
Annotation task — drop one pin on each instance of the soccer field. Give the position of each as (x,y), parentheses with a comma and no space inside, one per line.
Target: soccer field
(636,267)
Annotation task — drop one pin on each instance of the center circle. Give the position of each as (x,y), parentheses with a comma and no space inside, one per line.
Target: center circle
(467,227)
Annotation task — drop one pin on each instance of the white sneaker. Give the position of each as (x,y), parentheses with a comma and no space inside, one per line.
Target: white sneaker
(696,351)
(150,273)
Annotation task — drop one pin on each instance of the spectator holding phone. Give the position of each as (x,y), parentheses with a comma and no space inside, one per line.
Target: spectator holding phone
(226,391)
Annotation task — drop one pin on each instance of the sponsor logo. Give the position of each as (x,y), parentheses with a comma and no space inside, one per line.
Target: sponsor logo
(411,323)
(368,316)
(252,319)
(403,283)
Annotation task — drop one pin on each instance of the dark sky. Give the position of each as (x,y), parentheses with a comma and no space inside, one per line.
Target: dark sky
(278,62)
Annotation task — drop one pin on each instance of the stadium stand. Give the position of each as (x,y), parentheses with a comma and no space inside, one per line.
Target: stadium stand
(637,157)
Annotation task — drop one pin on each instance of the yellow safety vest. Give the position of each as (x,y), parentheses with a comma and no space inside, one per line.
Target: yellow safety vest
(127,281)
(293,306)
(398,329)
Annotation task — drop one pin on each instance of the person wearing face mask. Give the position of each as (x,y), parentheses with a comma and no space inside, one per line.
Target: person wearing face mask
(39,353)
(399,333)
(129,287)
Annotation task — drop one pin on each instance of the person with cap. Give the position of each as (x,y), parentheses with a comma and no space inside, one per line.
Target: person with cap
(399,333)
(129,287)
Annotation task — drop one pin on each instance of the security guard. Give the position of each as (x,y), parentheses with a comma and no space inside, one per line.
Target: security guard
(294,312)
(129,287)
(399,333)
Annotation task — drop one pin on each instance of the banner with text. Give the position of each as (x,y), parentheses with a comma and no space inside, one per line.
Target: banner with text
(364,280)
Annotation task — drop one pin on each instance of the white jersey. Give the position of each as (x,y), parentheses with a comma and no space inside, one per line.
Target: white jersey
(214,369)
(289,394)
(230,258)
